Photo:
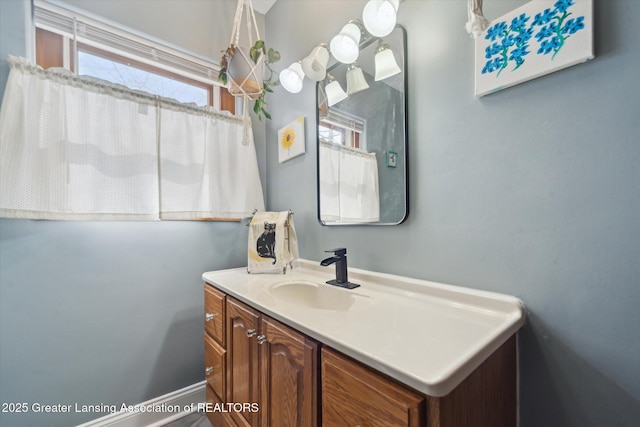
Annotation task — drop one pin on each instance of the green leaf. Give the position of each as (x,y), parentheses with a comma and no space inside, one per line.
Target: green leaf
(254,54)
(267,115)
(274,56)
(257,107)
(259,45)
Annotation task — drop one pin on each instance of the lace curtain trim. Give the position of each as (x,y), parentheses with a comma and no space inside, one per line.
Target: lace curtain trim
(343,148)
(66,77)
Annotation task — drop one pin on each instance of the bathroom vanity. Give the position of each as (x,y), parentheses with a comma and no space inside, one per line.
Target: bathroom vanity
(291,350)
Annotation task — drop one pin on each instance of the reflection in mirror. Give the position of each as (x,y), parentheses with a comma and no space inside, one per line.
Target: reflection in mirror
(362,136)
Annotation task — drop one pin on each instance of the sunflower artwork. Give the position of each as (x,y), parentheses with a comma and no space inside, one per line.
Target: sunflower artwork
(291,140)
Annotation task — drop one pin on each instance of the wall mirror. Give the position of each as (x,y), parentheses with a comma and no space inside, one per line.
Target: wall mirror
(362,136)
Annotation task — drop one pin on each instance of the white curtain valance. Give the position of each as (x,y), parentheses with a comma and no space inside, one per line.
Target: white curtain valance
(78,148)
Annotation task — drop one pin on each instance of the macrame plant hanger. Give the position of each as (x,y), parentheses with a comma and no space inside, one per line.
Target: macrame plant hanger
(245,75)
(477,23)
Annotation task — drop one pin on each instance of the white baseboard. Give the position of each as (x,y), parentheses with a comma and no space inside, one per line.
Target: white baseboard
(186,399)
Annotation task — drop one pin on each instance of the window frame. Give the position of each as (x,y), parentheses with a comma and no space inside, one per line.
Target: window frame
(53,49)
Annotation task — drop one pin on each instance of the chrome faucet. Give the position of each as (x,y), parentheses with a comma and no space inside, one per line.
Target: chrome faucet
(339,258)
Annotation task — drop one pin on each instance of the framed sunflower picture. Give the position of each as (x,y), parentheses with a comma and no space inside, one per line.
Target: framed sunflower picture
(291,140)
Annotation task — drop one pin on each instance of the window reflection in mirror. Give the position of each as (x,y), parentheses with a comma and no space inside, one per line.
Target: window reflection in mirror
(362,140)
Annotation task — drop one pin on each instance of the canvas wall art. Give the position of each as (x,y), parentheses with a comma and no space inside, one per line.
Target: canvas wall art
(291,140)
(541,37)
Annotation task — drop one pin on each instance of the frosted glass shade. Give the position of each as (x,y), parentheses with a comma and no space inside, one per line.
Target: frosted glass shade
(345,47)
(315,65)
(334,92)
(355,79)
(386,65)
(291,78)
(379,16)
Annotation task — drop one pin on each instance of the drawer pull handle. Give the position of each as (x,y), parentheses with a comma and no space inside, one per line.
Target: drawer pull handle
(208,371)
(261,339)
(251,333)
(209,316)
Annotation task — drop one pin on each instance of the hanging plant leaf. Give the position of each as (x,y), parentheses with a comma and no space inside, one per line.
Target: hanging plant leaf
(256,50)
(274,55)
(257,106)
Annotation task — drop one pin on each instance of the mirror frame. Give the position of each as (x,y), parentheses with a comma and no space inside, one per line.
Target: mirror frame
(364,44)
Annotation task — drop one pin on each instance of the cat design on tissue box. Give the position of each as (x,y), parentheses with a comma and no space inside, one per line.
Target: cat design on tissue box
(273,244)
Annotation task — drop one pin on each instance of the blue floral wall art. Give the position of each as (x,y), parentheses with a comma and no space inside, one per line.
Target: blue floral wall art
(538,38)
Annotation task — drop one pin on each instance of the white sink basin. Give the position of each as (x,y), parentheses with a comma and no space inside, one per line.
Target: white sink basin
(314,295)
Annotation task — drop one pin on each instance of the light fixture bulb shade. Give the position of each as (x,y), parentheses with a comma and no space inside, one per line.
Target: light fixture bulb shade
(315,64)
(386,65)
(345,46)
(355,80)
(379,16)
(334,92)
(291,78)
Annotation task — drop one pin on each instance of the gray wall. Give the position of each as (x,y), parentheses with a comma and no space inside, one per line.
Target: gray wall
(533,191)
(544,208)
(104,312)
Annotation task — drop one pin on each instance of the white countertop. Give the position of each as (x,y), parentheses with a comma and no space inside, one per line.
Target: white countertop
(427,335)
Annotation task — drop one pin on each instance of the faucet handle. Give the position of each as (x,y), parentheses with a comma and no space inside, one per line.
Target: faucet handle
(338,251)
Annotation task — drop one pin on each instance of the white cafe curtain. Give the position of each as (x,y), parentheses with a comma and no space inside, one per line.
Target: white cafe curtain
(206,170)
(349,188)
(77,148)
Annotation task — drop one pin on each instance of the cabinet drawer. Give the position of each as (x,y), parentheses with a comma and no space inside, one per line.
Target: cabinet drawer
(215,366)
(353,395)
(214,313)
(215,411)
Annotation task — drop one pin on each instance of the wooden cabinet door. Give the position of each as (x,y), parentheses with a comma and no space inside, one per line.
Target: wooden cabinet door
(242,360)
(353,395)
(217,418)
(288,363)
(214,362)
(214,313)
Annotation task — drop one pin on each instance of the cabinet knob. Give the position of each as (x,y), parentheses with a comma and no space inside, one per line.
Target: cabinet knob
(261,339)
(251,332)
(209,316)
(208,370)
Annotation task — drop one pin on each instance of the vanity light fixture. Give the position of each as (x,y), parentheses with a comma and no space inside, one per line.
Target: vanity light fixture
(345,46)
(386,65)
(291,78)
(355,79)
(315,64)
(334,91)
(379,16)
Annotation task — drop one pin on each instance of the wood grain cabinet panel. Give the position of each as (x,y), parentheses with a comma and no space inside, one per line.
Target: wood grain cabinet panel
(242,359)
(214,313)
(217,418)
(353,395)
(288,361)
(215,366)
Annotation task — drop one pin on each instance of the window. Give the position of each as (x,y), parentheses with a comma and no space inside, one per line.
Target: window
(135,75)
(87,47)
(338,135)
(119,56)
(340,128)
